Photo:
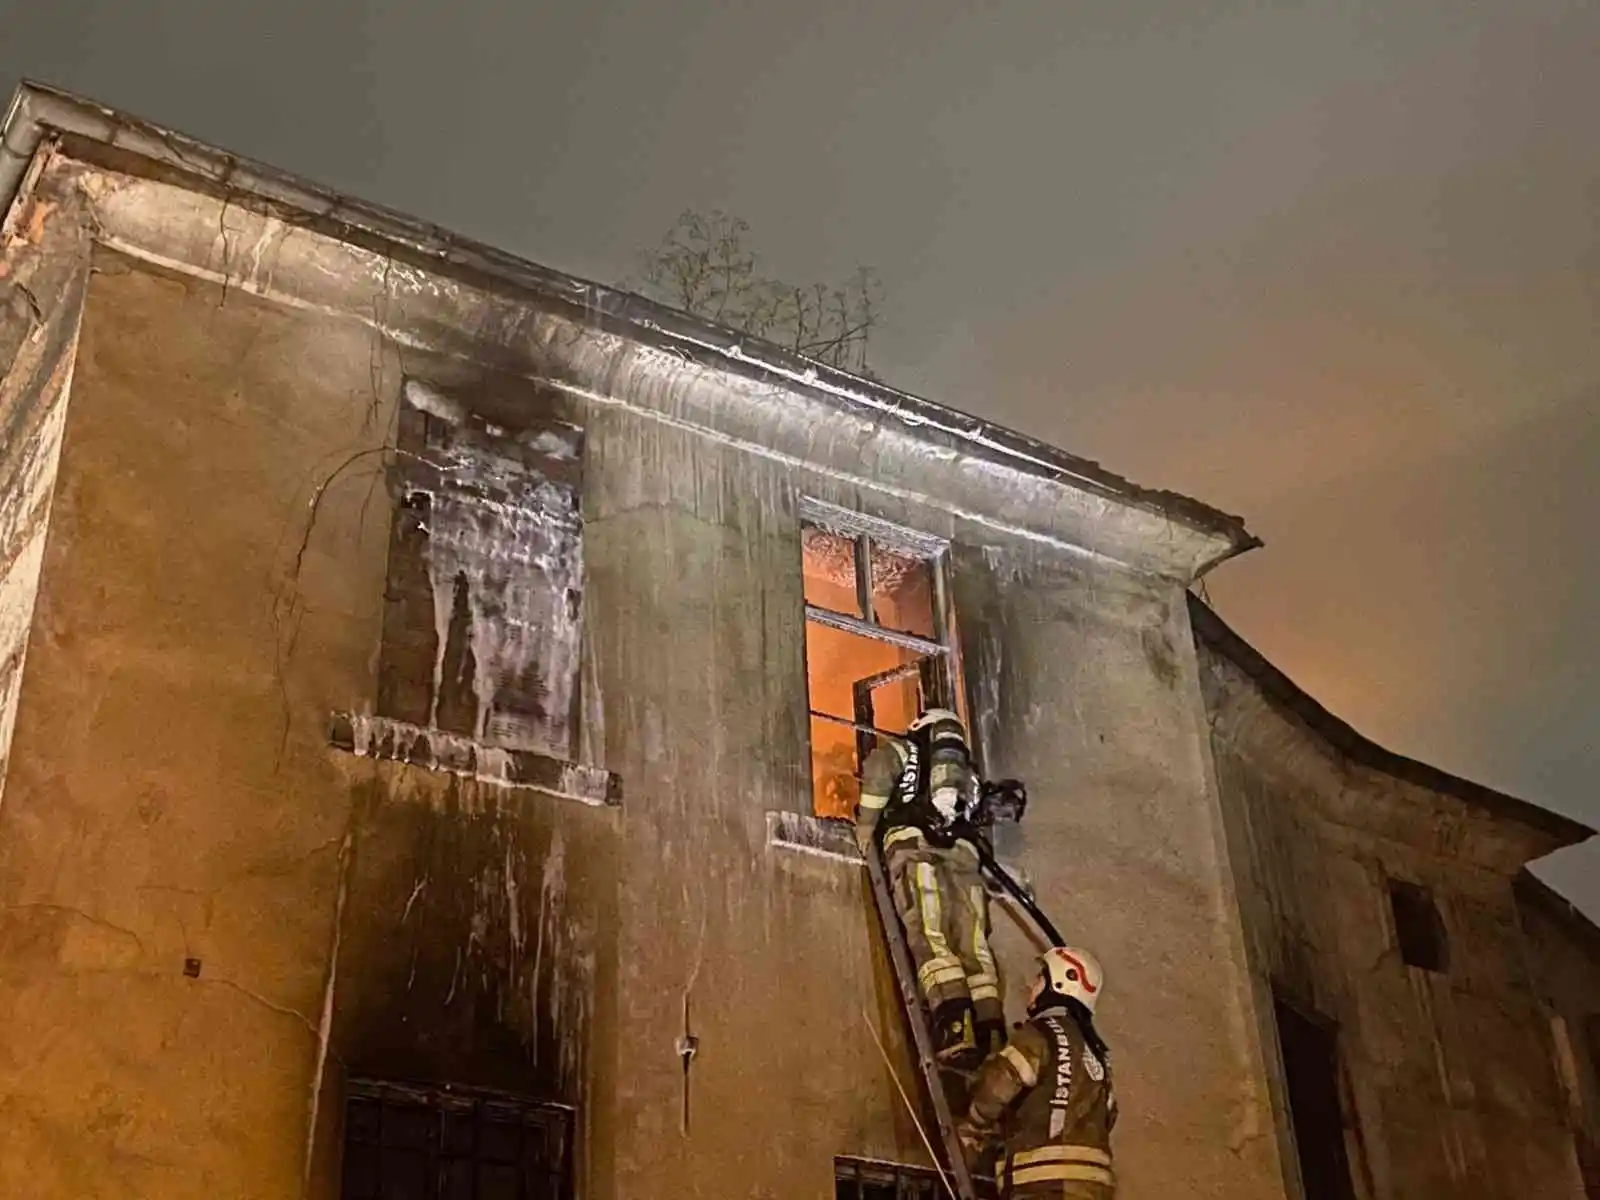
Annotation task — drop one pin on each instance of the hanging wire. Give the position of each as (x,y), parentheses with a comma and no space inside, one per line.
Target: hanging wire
(910,1108)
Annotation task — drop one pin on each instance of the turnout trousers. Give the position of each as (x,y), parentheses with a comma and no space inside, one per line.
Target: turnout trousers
(944,908)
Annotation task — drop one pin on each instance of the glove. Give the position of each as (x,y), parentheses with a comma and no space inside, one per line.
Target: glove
(864,839)
(971,1141)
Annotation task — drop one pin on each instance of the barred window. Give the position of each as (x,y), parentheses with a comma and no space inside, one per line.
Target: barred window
(440,1143)
(866,1179)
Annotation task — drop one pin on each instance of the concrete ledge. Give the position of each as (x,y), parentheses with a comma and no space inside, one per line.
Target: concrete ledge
(436,750)
(806,834)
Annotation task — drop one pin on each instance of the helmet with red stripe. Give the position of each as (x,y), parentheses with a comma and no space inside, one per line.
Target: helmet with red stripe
(1073,974)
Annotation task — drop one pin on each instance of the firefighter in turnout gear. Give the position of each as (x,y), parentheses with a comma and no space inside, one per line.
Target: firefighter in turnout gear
(918,797)
(1049,1090)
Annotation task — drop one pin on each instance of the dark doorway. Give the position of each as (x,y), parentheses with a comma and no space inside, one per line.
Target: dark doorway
(1311,1070)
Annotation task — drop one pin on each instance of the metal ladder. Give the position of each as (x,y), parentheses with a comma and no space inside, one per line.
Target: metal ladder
(905,974)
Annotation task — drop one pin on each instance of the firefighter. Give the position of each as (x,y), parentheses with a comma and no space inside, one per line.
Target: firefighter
(919,797)
(1050,1090)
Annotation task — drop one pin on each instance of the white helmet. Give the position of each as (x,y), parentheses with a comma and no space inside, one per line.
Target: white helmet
(934,716)
(1069,971)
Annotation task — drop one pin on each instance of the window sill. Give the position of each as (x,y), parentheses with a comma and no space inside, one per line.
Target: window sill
(802,833)
(806,834)
(435,750)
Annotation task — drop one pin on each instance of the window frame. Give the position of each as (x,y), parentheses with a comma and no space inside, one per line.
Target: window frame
(908,1182)
(1421,948)
(401,721)
(474,1104)
(943,648)
(1307,1042)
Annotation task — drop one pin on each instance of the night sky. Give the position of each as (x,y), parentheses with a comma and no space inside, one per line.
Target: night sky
(1334,267)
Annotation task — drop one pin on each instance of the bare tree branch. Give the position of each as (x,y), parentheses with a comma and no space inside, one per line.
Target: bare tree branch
(703,266)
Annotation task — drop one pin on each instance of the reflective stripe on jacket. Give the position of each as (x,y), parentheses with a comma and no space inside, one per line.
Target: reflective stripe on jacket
(1052,1097)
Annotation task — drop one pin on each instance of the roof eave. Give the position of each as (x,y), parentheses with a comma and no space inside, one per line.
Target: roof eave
(1536,891)
(37,109)
(1285,693)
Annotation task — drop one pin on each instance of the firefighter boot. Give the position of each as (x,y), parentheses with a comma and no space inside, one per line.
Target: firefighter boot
(954,1038)
(991,1036)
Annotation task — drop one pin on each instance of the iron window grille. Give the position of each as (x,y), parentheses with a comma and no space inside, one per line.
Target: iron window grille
(869,1179)
(404,1142)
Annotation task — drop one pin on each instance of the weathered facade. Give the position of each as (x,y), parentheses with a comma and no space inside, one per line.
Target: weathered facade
(1564,957)
(416,694)
(425,677)
(1382,905)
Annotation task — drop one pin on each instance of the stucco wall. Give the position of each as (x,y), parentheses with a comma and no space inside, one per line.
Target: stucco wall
(1449,1081)
(212,592)
(1563,949)
(157,808)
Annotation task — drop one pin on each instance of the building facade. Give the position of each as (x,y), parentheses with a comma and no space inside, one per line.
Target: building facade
(1419,1016)
(429,683)
(1564,956)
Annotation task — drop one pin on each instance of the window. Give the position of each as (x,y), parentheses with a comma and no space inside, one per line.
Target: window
(1311,1073)
(414,1143)
(863,1179)
(483,607)
(1418,927)
(879,642)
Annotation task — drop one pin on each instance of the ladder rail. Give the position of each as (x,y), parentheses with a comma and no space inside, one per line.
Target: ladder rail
(922,1038)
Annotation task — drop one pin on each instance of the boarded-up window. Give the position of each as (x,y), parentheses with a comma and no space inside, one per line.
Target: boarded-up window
(1418,927)
(413,1143)
(879,642)
(1311,1072)
(483,608)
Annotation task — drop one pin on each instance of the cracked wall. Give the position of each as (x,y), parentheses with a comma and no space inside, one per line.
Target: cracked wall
(1086,687)
(171,797)
(214,588)
(1450,1087)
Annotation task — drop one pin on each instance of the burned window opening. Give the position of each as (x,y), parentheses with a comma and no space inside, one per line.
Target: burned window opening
(1419,927)
(879,643)
(446,1143)
(865,1179)
(1311,1074)
(484,599)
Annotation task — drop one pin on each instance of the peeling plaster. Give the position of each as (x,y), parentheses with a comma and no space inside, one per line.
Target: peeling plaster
(159,224)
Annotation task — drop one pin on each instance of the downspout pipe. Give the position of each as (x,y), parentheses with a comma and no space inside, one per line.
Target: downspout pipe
(35,112)
(19,138)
